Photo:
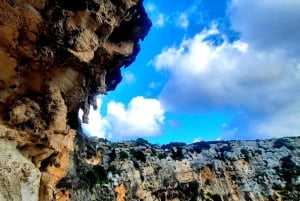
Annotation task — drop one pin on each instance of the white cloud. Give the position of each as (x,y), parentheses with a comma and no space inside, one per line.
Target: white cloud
(141,118)
(150,7)
(160,20)
(157,17)
(97,124)
(285,122)
(179,18)
(281,122)
(183,21)
(268,24)
(128,77)
(155,85)
(198,139)
(262,83)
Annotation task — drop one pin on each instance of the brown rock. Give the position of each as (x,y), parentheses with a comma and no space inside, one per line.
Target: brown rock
(121,192)
(55,57)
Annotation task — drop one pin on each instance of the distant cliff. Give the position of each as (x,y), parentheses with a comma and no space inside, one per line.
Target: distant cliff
(55,57)
(219,171)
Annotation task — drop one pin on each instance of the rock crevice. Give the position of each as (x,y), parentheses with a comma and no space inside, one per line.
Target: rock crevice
(211,171)
(55,57)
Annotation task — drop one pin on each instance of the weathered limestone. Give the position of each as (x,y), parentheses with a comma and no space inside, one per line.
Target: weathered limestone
(256,171)
(55,57)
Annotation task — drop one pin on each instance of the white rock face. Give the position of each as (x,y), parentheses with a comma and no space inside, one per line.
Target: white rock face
(228,171)
(19,178)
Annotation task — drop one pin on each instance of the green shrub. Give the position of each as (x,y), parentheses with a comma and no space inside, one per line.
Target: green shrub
(97,175)
(123,155)
(189,190)
(290,196)
(216,197)
(226,148)
(258,151)
(283,142)
(141,141)
(65,182)
(138,154)
(173,144)
(162,155)
(100,174)
(289,170)
(153,152)
(194,186)
(91,178)
(113,170)
(177,154)
(246,153)
(136,164)
(199,146)
(112,155)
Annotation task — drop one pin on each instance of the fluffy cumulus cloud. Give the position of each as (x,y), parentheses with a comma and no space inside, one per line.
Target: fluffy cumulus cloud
(97,125)
(256,76)
(268,24)
(141,118)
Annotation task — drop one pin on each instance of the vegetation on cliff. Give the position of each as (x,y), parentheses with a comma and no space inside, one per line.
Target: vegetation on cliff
(225,170)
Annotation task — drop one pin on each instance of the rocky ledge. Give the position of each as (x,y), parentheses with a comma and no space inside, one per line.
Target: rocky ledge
(204,171)
(55,57)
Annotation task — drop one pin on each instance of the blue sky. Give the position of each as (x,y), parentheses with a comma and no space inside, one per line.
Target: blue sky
(209,70)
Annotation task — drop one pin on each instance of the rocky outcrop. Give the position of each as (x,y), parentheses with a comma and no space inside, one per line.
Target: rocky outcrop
(55,57)
(218,171)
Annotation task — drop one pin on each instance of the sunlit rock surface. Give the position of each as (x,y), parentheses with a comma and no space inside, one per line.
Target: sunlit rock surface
(55,57)
(235,170)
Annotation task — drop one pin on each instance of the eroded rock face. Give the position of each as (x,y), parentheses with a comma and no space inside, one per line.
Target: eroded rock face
(55,57)
(18,174)
(228,171)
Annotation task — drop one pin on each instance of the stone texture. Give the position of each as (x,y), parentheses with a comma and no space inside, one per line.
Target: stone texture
(55,57)
(233,170)
(19,178)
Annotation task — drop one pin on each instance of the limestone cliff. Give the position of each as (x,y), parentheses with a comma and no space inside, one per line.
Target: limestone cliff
(262,170)
(55,57)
